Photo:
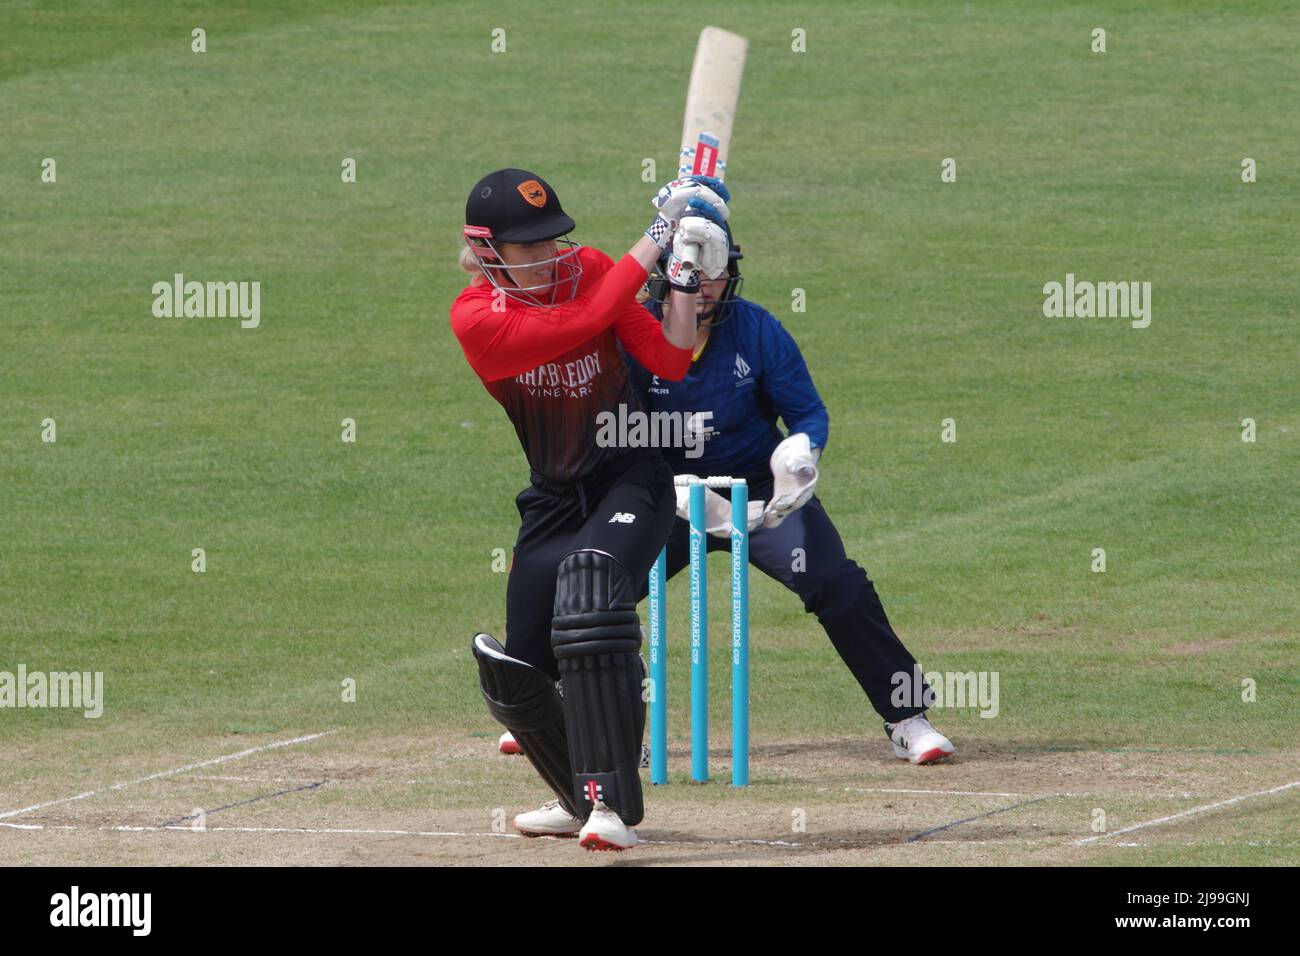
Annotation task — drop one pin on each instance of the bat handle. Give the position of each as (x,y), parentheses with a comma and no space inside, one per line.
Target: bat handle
(690,256)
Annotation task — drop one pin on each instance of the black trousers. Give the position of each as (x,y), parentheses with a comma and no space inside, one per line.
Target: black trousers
(806,554)
(625,510)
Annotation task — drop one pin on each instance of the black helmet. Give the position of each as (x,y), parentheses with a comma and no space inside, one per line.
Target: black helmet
(514,205)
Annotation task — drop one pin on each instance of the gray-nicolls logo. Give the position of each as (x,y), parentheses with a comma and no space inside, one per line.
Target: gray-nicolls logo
(742,370)
(76,908)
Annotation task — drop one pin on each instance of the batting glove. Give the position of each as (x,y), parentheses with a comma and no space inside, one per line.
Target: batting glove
(672,199)
(709,242)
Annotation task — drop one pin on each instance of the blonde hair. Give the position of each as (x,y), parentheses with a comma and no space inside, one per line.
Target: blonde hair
(468,263)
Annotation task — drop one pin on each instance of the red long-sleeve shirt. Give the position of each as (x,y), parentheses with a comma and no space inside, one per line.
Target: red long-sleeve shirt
(555,370)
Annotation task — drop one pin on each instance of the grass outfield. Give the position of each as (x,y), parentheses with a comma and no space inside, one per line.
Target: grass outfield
(373,561)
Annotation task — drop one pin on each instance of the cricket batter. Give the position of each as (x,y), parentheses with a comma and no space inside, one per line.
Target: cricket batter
(545,324)
(747,370)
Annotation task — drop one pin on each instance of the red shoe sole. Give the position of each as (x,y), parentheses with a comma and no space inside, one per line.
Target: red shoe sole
(593,842)
(930,756)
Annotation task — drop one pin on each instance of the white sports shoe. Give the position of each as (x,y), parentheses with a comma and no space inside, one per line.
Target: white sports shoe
(550,819)
(916,740)
(507,744)
(605,831)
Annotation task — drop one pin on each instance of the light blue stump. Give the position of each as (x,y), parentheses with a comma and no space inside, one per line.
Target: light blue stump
(658,672)
(699,638)
(740,634)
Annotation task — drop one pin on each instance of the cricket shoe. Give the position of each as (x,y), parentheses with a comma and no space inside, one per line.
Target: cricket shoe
(916,740)
(604,830)
(507,744)
(550,819)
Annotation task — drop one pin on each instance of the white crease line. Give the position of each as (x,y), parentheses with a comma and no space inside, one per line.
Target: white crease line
(782,844)
(1186,813)
(166,773)
(226,779)
(327,830)
(945,793)
(518,836)
(1205,843)
(984,793)
(38,826)
(1032,842)
(124,828)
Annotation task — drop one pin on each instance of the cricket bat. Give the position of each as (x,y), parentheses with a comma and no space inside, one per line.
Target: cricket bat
(711,102)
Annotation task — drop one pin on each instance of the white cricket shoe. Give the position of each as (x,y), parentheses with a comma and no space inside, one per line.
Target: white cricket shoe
(507,744)
(916,740)
(550,819)
(604,830)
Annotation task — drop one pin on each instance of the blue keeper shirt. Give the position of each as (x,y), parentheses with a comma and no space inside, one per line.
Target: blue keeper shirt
(750,373)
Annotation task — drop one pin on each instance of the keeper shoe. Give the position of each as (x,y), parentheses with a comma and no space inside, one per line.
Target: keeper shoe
(550,819)
(916,740)
(604,830)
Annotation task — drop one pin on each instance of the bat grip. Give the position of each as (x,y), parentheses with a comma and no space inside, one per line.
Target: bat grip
(690,255)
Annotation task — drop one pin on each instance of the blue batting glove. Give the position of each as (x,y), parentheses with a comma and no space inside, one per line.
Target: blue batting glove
(698,207)
(714,183)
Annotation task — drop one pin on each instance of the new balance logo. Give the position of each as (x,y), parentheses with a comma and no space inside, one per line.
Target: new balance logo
(622,517)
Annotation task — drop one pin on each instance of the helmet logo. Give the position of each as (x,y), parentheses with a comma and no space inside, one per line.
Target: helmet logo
(533,193)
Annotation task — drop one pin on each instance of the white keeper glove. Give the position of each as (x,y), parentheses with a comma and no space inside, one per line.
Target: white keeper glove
(794,478)
(717,510)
